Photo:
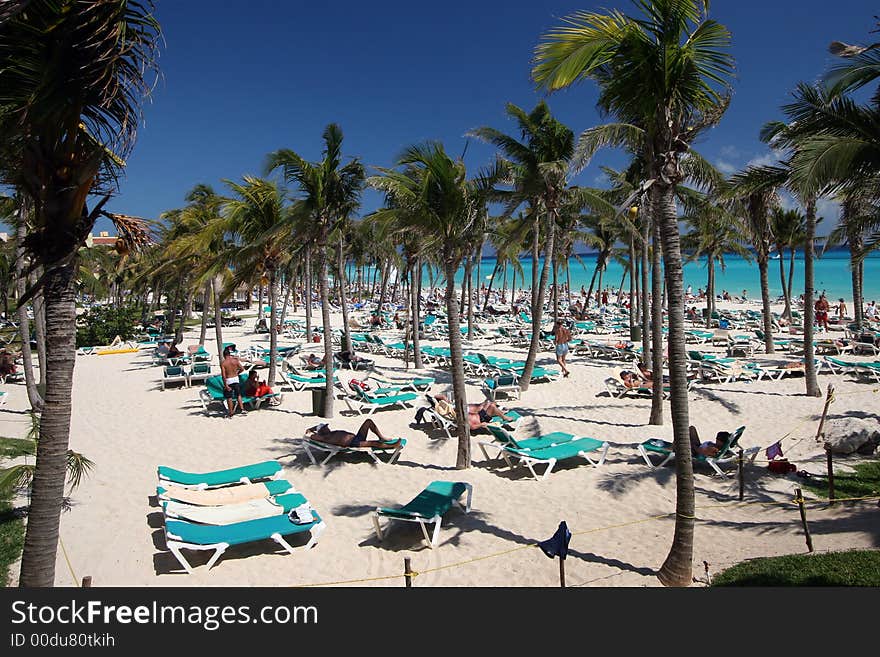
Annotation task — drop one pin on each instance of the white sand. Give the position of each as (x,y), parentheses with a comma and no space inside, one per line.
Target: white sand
(127,426)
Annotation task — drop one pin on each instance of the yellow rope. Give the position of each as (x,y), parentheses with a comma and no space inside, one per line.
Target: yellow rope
(67,559)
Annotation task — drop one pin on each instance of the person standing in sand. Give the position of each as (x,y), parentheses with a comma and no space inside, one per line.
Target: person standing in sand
(561,336)
(822,307)
(230,368)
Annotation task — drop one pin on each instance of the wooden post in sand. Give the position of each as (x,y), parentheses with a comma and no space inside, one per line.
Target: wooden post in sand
(562,571)
(829,397)
(87,582)
(742,481)
(800,503)
(407,572)
(830,461)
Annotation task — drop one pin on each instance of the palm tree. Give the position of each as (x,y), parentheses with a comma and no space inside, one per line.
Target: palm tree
(330,191)
(666,72)
(73,75)
(444,205)
(258,218)
(538,167)
(789,228)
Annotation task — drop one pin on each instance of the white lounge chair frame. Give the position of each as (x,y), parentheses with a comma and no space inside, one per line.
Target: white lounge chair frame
(333,450)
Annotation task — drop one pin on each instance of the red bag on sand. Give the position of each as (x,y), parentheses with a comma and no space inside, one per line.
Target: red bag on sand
(356,385)
(781,466)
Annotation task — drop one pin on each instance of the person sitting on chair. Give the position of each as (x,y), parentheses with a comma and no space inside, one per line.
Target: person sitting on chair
(254,387)
(707,448)
(312,362)
(479,415)
(324,434)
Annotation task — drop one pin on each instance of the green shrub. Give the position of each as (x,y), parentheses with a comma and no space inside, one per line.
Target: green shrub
(101,324)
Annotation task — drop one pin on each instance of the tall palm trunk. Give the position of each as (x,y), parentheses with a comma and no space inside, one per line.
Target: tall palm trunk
(791,256)
(260,312)
(643,305)
(205,306)
(677,569)
(33,393)
(765,304)
(216,284)
(554,269)
(343,285)
(273,318)
(416,303)
(780,250)
(187,309)
(47,487)
(710,290)
(307,293)
(538,296)
(463,455)
(489,289)
(855,264)
(386,270)
(323,284)
(812,384)
(470,299)
(656,417)
(40,331)
(632,283)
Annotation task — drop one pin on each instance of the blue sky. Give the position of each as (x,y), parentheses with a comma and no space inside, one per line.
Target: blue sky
(241,79)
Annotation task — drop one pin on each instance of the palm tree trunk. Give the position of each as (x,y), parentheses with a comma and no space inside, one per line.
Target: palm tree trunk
(555,269)
(489,289)
(273,334)
(47,488)
(463,455)
(632,282)
(710,290)
(307,293)
(765,303)
(187,309)
(260,312)
(470,300)
(416,305)
(216,284)
(33,393)
(205,306)
(812,384)
(792,251)
(386,269)
(656,416)
(538,296)
(40,332)
(855,265)
(323,283)
(646,318)
(780,250)
(286,300)
(343,285)
(677,568)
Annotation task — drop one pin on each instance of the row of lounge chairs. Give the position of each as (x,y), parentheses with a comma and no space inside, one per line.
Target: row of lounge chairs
(214,511)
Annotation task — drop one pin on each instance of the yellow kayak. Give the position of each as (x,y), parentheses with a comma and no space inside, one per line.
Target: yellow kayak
(105,352)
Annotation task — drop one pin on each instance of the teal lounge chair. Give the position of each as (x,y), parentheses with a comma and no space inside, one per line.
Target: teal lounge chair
(174,374)
(245,474)
(180,535)
(311,446)
(213,392)
(546,449)
(506,383)
(727,454)
(428,506)
(362,402)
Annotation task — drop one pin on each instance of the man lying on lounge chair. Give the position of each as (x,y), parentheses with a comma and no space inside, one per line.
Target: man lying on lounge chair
(479,415)
(323,433)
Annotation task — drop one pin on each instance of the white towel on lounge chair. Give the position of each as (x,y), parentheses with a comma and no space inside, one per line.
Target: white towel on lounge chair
(301,514)
(232,513)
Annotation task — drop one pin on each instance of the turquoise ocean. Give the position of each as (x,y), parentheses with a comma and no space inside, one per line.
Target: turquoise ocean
(831,274)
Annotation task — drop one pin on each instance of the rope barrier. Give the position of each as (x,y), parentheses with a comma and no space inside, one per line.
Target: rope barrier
(67,559)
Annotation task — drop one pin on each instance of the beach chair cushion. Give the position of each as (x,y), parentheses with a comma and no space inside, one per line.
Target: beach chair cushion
(255,471)
(435,500)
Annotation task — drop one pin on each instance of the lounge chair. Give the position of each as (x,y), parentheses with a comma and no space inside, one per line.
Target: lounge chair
(393,448)
(447,423)
(245,474)
(428,506)
(547,449)
(180,535)
(362,402)
(175,374)
(234,494)
(199,371)
(228,514)
(213,392)
(504,383)
(727,453)
(414,384)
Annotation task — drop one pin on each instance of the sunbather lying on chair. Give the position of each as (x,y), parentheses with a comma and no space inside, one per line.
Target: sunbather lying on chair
(707,448)
(324,434)
(479,415)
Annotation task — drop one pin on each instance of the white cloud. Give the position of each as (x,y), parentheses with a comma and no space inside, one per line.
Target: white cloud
(601,179)
(829,210)
(730,151)
(767,159)
(725,167)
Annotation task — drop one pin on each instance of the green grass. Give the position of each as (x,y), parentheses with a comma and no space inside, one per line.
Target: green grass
(864,482)
(11,539)
(850,568)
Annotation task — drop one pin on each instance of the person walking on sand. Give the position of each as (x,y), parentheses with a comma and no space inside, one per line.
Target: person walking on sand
(561,336)
(822,307)
(230,368)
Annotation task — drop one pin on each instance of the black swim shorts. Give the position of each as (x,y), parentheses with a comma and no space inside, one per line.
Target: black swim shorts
(233,391)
